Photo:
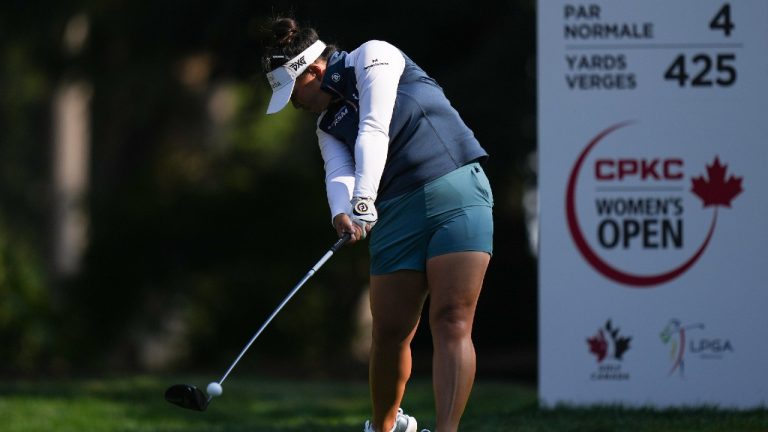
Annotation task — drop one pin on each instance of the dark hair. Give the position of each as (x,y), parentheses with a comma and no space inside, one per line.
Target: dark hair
(287,41)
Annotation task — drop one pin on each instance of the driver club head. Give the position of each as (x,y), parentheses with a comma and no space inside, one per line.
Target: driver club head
(187,396)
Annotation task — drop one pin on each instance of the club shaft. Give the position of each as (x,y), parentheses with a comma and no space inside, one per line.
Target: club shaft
(295,289)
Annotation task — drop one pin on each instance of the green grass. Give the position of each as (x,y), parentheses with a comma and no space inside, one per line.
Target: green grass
(136,404)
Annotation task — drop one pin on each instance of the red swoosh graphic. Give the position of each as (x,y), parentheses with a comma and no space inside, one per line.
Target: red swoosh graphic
(681,351)
(606,269)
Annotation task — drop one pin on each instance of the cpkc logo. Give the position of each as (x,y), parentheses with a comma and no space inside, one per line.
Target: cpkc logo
(650,223)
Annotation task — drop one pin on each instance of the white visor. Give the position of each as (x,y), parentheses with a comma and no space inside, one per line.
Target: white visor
(282,78)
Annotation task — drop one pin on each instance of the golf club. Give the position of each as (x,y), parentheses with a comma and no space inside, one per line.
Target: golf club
(191,397)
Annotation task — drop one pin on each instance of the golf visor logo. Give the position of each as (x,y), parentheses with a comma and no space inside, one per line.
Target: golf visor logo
(298,63)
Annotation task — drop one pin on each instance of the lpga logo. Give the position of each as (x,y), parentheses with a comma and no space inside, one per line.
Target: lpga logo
(626,221)
(676,336)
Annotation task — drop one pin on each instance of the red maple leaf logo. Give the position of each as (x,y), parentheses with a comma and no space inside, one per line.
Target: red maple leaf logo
(716,190)
(598,345)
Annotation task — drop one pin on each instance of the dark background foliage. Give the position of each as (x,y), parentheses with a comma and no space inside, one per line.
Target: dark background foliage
(202,212)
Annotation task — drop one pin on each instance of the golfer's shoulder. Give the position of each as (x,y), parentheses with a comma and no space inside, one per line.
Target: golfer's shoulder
(376,45)
(374,53)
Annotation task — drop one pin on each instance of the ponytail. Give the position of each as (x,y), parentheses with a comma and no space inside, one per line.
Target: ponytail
(287,40)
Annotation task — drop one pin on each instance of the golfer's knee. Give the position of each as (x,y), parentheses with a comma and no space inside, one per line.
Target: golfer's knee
(391,334)
(451,322)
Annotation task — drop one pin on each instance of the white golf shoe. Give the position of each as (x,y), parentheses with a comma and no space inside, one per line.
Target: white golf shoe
(403,423)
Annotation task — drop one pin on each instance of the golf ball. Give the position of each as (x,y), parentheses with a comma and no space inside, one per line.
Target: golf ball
(214,389)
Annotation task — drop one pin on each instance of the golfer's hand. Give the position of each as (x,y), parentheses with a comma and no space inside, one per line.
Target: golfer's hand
(344,224)
(364,213)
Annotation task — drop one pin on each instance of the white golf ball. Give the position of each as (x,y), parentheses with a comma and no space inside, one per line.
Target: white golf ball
(214,389)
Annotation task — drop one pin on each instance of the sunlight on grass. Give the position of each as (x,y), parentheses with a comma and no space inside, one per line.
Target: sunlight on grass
(250,404)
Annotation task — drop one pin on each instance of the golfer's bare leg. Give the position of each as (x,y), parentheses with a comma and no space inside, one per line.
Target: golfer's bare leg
(396,303)
(455,281)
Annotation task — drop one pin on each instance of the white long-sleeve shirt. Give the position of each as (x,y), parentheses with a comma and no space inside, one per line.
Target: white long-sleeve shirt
(377,67)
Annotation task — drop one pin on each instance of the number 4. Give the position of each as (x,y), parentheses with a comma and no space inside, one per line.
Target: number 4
(676,71)
(722,20)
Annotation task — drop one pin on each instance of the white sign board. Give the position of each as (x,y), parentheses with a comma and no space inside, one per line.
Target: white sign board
(653,185)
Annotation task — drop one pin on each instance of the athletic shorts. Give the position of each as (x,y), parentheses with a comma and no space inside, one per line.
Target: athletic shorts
(452,213)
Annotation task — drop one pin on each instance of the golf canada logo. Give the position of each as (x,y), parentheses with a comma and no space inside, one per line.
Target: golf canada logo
(683,346)
(608,346)
(634,230)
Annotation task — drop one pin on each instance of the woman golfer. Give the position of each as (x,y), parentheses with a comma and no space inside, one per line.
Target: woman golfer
(401,168)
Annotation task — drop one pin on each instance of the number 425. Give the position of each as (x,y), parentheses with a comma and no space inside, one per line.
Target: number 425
(703,64)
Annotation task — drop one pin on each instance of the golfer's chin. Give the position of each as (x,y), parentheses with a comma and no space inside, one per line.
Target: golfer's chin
(320,103)
(311,108)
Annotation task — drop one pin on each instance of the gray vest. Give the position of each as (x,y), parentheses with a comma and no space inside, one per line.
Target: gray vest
(427,137)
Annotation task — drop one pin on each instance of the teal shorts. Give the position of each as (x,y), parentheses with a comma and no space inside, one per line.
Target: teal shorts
(452,213)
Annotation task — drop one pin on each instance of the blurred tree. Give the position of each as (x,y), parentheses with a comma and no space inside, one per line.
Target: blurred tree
(204,212)
(26,316)
(26,58)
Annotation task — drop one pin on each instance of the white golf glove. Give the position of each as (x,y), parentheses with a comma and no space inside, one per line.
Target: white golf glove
(364,213)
